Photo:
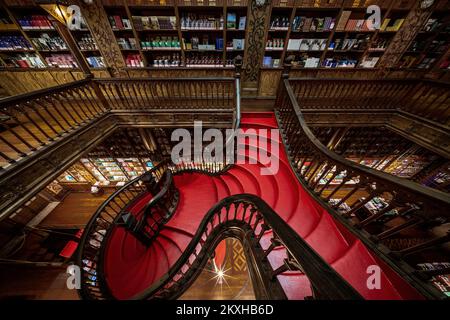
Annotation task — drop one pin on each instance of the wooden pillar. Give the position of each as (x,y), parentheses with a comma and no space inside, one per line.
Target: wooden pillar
(97,21)
(258,21)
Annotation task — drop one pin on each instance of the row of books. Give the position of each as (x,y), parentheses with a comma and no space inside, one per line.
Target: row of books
(194,44)
(236,44)
(349,44)
(232,22)
(357,25)
(25,60)
(118,23)
(379,44)
(210,60)
(14,43)
(61,61)
(167,61)
(127,43)
(442,282)
(161,42)
(339,63)
(308,24)
(269,62)
(155,22)
(305,61)
(275,44)
(369,62)
(96,62)
(431,25)
(279,23)
(47,42)
(86,42)
(35,22)
(194,22)
(307,44)
(134,61)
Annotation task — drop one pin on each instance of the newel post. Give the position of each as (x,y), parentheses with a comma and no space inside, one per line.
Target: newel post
(238,66)
(237,90)
(287,66)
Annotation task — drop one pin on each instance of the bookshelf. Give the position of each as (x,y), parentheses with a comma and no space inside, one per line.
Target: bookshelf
(430,44)
(16,48)
(330,35)
(178,34)
(87,46)
(49,45)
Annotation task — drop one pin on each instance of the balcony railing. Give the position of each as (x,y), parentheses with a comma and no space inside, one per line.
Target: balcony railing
(428,100)
(34,121)
(349,190)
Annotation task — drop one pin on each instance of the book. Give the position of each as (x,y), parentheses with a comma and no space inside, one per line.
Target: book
(385,24)
(267,62)
(307,25)
(294,44)
(242,23)
(126,24)
(118,22)
(343,20)
(231,21)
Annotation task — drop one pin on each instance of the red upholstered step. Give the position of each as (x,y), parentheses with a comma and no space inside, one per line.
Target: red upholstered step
(132,268)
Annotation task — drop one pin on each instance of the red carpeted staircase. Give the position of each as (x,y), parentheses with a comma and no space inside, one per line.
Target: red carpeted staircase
(130,267)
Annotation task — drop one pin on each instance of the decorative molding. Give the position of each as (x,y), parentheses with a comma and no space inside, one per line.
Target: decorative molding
(403,38)
(101,31)
(259,18)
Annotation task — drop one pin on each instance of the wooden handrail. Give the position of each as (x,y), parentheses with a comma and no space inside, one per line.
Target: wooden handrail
(254,214)
(410,186)
(350,192)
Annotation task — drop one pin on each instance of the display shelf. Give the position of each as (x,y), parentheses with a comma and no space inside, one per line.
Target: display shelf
(430,44)
(50,50)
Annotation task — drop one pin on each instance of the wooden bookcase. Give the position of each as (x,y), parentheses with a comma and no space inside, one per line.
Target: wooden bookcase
(49,47)
(198,51)
(319,34)
(178,34)
(431,44)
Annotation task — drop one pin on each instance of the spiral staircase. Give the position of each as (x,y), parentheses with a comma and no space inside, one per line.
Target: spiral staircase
(140,250)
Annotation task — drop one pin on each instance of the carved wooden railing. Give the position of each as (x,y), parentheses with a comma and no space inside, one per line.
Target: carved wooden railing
(348,191)
(31,121)
(248,218)
(89,254)
(419,98)
(146,224)
(169,94)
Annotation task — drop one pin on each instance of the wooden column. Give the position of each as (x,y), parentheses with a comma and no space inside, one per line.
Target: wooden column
(97,21)
(255,43)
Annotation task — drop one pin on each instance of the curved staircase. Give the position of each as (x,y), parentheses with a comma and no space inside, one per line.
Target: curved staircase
(130,267)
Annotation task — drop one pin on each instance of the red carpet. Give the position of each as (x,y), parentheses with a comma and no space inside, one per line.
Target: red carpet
(130,268)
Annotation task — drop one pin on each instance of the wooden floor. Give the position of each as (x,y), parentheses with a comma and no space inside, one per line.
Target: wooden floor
(17,282)
(236,285)
(75,211)
(37,283)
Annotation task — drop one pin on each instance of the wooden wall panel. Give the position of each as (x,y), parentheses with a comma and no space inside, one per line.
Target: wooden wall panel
(44,78)
(268,83)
